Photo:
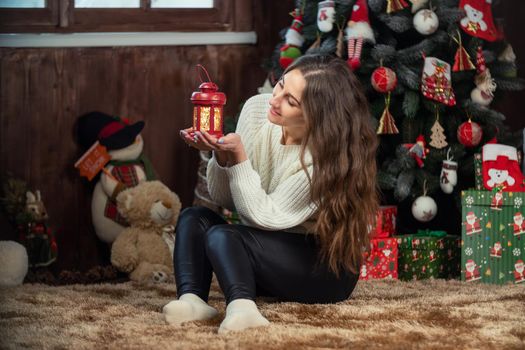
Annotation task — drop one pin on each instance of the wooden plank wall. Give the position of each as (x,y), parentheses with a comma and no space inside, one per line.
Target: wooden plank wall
(45,90)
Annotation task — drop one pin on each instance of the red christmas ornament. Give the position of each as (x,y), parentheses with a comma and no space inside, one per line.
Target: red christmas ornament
(207,106)
(462,59)
(383,79)
(469,134)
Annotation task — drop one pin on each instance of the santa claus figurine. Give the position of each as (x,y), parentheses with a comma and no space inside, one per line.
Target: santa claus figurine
(483,93)
(495,251)
(358,31)
(518,225)
(519,271)
(432,255)
(472,271)
(418,150)
(497,201)
(364,274)
(472,225)
(414,255)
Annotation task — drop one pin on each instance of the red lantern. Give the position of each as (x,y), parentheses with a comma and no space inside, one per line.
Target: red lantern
(469,134)
(208,106)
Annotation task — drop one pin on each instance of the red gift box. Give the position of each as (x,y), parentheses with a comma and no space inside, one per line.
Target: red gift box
(381,260)
(385,222)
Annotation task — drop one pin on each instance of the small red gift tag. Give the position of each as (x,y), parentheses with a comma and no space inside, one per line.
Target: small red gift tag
(93,161)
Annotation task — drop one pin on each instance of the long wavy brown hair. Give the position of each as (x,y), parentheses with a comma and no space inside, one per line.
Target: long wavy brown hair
(343,146)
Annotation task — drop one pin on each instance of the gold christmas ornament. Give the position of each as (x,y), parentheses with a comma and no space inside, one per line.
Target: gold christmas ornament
(387,124)
(395,5)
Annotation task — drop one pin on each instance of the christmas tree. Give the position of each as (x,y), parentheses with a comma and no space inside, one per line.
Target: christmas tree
(430,70)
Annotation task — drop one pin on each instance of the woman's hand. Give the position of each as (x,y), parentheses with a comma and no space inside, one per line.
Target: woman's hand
(228,149)
(232,145)
(191,138)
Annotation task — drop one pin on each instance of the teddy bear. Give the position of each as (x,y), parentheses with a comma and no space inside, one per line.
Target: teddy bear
(127,168)
(143,249)
(473,17)
(499,177)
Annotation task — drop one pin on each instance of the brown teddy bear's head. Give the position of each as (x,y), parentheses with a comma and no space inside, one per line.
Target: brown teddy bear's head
(149,204)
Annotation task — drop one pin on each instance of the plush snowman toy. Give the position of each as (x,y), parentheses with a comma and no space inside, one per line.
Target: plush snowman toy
(127,167)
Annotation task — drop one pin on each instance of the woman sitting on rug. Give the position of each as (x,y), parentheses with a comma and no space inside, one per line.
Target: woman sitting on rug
(300,171)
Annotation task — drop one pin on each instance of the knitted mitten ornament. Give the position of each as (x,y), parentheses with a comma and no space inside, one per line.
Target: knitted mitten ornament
(449,176)
(325,15)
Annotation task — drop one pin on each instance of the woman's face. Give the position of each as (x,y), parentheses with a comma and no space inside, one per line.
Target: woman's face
(285,105)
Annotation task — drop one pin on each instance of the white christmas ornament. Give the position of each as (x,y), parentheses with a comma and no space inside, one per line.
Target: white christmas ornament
(424,208)
(426,21)
(14,263)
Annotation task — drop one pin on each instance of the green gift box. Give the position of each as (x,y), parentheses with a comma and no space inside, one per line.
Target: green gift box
(428,254)
(493,236)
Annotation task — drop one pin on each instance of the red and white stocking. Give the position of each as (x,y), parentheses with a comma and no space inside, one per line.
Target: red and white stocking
(500,168)
(478,20)
(325,15)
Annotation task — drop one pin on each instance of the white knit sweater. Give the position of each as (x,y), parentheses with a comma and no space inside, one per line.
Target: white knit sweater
(270,190)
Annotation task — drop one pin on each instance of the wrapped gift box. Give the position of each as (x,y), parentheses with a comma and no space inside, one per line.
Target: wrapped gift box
(381,260)
(428,254)
(385,222)
(493,237)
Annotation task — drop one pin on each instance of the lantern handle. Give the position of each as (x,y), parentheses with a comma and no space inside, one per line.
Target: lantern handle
(205,71)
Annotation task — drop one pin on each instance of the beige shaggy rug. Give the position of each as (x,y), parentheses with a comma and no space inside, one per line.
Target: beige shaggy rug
(390,314)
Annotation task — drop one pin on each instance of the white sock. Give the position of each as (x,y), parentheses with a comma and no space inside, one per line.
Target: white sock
(242,314)
(189,307)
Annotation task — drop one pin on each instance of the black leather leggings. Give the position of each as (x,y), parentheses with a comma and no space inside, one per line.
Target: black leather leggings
(250,262)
